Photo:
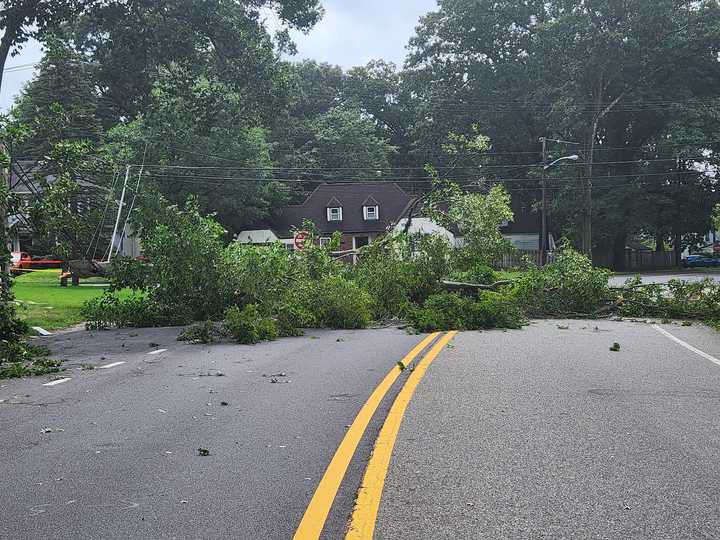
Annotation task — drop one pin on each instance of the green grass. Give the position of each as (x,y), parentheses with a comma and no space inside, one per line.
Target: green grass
(44,303)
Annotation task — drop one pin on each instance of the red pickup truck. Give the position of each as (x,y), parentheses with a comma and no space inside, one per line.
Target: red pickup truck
(24,261)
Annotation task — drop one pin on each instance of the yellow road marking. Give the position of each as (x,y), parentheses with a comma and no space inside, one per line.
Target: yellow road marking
(362,525)
(316,514)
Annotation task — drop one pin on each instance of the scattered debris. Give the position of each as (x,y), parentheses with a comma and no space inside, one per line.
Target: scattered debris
(563,327)
(204,452)
(224,404)
(615,347)
(163,411)
(687,323)
(340,340)
(153,345)
(183,502)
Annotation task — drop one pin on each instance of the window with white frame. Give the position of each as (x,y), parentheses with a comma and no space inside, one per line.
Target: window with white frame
(372,213)
(334,213)
(325,240)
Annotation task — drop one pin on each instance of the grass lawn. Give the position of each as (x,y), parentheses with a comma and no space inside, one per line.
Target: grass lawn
(44,303)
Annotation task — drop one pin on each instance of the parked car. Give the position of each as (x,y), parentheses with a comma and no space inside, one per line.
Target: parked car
(24,261)
(700,261)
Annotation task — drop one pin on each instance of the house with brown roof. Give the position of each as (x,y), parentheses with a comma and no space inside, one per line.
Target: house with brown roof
(363,211)
(359,211)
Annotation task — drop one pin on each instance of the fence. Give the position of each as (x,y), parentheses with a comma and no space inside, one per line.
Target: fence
(636,261)
(519,258)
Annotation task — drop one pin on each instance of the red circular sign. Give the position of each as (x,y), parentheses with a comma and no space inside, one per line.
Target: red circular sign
(300,239)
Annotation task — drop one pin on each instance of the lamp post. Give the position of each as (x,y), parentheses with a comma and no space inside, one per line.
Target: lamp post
(544,234)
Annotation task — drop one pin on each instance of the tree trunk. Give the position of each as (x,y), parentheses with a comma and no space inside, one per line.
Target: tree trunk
(619,263)
(677,247)
(659,241)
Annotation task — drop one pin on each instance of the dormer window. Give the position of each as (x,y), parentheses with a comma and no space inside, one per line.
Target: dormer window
(334,213)
(372,213)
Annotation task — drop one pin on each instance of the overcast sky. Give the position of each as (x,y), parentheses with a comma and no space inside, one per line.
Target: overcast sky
(351,34)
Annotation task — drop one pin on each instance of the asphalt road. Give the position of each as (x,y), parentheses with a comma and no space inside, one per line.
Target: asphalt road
(113,453)
(546,433)
(538,433)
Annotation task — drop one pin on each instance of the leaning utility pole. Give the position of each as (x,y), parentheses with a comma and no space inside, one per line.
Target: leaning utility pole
(117,220)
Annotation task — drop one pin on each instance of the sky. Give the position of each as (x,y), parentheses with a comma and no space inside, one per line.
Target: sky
(351,34)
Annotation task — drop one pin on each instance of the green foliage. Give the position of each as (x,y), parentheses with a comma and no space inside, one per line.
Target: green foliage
(204,333)
(399,270)
(343,138)
(129,273)
(480,274)
(479,218)
(135,311)
(247,326)
(676,300)
(450,311)
(570,285)
(258,275)
(336,302)
(185,253)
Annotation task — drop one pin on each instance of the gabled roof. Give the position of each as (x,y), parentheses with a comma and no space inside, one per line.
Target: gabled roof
(370,201)
(392,201)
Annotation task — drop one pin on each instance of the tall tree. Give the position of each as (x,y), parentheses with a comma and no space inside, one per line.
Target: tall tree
(133,41)
(21,20)
(60,104)
(611,75)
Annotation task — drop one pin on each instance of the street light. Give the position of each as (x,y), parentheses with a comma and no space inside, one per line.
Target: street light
(544,239)
(574,157)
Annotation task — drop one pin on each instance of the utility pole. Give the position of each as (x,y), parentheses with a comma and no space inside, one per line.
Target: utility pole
(120,207)
(544,233)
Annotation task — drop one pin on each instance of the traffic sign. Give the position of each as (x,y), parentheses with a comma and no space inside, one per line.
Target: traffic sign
(300,239)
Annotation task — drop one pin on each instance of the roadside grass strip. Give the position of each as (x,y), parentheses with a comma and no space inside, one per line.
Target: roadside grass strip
(362,524)
(689,347)
(317,511)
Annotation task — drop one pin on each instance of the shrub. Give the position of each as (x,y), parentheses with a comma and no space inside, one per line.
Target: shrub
(248,326)
(291,319)
(255,274)
(204,332)
(478,273)
(400,270)
(135,311)
(185,252)
(128,273)
(676,300)
(451,311)
(570,285)
(336,302)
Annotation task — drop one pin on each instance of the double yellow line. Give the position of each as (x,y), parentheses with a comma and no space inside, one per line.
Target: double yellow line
(364,516)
